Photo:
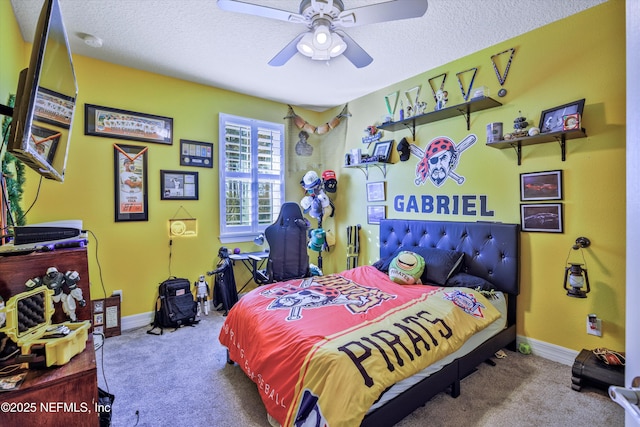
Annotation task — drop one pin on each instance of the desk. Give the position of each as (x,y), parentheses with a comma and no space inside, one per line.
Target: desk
(253,261)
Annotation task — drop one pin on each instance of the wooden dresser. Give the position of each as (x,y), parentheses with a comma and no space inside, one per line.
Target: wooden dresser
(56,396)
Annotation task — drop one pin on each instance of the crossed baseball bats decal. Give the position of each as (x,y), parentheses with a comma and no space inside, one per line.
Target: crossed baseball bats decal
(462,146)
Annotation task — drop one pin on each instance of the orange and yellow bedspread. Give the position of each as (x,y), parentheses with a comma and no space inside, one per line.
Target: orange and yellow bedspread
(323,349)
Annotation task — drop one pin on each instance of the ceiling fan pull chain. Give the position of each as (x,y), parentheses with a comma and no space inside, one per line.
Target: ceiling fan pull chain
(466,94)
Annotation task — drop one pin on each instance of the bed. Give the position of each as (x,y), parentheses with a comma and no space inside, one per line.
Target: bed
(406,343)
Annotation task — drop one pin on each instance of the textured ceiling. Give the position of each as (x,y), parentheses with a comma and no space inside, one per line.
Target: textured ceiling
(196,41)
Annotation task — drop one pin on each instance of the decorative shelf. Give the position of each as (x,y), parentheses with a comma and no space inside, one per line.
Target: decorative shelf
(364,167)
(561,137)
(475,104)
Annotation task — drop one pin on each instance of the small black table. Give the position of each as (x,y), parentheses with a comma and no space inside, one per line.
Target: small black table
(253,261)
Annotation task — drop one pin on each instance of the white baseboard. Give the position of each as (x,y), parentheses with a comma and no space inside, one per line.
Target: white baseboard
(549,351)
(137,321)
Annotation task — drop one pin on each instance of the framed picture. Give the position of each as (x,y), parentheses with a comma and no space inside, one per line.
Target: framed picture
(541,186)
(130,183)
(98,306)
(121,124)
(98,319)
(112,324)
(106,319)
(382,150)
(375,213)
(45,141)
(194,153)
(178,185)
(545,217)
(54,108)
(552,120)
(376,191)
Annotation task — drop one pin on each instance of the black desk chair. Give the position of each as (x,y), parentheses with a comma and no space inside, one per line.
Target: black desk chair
(287,239)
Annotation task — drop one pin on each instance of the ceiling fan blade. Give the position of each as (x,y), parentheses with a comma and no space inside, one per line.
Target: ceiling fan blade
(287,53)
(382,12)
(354,53)
(254,9)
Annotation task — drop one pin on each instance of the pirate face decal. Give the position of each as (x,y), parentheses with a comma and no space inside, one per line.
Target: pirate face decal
(439,161)
(323,291)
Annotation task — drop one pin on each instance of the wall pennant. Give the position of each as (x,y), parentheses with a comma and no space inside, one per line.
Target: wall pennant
(466,94)
(414,107)
(502,77)
(441,87)
(392,98)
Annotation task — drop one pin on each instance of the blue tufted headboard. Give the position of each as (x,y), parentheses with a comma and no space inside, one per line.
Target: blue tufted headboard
(491,249)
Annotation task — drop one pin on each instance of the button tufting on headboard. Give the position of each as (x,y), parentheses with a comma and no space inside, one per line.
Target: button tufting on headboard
(491,248)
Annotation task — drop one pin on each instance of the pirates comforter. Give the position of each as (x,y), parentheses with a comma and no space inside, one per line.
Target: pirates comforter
(323,349)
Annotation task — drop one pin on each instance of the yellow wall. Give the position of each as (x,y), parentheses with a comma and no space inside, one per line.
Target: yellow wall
(12,53)
(136,256)
(553,65)
(546,71)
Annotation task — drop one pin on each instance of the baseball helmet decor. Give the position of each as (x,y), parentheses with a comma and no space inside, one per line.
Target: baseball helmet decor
(316,211)
(404,150)
(407,268)
(305,203)
(310,180)
(317,239)
(324,199)
(315,200)
(330,181)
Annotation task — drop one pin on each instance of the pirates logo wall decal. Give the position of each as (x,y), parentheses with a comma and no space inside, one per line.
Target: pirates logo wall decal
(440,159)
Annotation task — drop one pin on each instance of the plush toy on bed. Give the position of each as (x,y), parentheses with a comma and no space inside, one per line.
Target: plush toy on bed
(406,268)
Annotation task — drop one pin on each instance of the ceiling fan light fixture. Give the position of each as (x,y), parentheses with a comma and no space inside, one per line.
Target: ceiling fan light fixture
(322,37)
(305,45)
(338,46)
(309,46)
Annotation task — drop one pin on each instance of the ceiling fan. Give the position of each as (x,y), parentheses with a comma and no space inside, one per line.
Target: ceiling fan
(325,19)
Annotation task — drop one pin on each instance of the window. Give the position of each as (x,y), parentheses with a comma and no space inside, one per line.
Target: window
(251,176)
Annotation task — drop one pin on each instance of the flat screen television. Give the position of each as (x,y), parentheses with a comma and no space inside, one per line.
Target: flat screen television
(46,99)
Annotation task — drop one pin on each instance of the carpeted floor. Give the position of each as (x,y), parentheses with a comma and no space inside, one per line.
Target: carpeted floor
(181,378)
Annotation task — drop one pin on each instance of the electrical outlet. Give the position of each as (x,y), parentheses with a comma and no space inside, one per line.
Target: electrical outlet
(118,292)
(594,325)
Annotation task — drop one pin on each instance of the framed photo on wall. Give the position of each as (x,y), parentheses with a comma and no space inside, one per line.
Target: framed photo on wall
(552,120)
(541,186)
(178,185)
(375,213)
(376,191)
(122,124)
(194,153)
(382,150)
(544,217)
(130,183)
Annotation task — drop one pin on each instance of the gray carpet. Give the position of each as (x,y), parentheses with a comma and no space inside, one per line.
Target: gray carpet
(181,378)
